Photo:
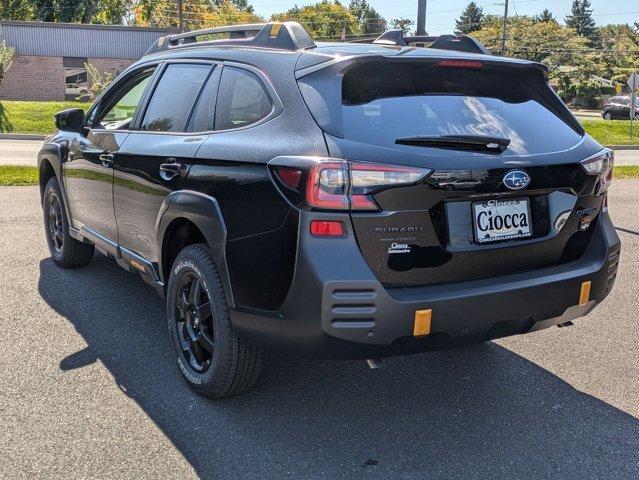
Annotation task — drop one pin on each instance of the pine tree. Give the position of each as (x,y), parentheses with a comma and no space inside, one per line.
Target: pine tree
(545,16)
(580,18)
(469,20)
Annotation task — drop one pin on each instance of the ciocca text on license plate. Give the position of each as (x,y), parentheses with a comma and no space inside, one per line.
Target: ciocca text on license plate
(502,219)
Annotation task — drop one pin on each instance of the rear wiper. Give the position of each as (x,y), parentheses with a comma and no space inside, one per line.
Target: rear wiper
(478,143)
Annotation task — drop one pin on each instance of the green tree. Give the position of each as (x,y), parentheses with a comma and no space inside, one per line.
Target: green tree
(80,11)
(402,24)
(369,20)
(16,9)
(242,5)
(324,20)
(228,13)
(580,18)
(164,13)
(469,20)
(44,10)
(110,12)
(545,16)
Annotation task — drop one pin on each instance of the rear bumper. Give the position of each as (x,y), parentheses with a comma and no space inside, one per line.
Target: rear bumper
(336,308)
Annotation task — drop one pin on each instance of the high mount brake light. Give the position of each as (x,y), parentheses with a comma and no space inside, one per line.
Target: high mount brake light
(460,63)
(342,185)
(600,164)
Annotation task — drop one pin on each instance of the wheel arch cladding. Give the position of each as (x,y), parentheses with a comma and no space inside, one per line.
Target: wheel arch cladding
(49,165)
(191,217)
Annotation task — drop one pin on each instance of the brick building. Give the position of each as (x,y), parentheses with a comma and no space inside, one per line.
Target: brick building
(50,58)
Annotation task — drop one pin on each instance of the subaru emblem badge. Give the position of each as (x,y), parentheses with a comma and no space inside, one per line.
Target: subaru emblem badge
(516,180)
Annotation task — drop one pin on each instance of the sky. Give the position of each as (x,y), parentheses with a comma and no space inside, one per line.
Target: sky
(441,14)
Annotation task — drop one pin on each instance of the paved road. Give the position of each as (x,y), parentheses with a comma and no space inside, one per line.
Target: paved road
(88,388)
(23,152)
(19,152)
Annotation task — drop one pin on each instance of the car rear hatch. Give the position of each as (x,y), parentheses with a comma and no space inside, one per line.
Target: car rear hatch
(506,193)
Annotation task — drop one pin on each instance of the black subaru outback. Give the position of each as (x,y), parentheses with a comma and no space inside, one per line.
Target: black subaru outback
(334,200)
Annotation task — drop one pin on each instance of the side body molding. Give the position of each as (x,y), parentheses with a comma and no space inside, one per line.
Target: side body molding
(204,211)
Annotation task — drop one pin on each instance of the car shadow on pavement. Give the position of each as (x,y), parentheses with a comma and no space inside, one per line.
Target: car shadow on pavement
(481,412)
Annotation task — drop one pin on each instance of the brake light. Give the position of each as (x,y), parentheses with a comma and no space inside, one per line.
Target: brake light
(460,63)
(327,228)
(341,185)
(600,164)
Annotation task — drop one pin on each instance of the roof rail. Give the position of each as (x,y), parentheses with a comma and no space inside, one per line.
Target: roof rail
(278,35)
(461,43)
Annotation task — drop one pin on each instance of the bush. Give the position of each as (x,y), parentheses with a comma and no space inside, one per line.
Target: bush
(6,57)
(99,80)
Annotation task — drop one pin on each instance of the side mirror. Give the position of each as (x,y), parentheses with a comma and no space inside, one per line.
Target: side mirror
(70,120)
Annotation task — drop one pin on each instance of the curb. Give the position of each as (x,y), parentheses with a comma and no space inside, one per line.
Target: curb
(22,136)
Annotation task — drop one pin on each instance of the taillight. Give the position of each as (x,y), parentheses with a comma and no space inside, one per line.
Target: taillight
(342,185)
(600,164)
(327,185)
(337,184)
(291,177)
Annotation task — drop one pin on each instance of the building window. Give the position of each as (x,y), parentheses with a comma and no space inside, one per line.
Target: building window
(76,80)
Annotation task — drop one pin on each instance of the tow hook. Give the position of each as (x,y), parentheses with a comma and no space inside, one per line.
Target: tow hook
(374,363)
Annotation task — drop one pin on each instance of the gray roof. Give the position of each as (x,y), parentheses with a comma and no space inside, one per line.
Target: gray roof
(79,40)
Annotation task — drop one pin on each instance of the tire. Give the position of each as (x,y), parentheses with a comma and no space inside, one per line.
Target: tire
(607,116)
(212,359)
(65,250)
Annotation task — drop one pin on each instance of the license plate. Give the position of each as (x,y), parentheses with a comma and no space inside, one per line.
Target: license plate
(504,219)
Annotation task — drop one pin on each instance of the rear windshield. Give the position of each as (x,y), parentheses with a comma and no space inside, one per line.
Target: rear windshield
(380,105)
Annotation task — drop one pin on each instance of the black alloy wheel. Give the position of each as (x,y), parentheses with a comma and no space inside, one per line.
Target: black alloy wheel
(194,322)
(212,359)
(65,250)
(55,223)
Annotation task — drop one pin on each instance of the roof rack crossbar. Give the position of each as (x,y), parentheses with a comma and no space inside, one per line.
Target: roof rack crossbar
(277,35)
(460,43)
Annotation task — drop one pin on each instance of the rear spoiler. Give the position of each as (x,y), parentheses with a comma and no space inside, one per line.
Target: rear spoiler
(460,43)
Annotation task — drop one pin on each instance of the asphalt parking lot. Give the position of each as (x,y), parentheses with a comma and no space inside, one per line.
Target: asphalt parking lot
(88,388)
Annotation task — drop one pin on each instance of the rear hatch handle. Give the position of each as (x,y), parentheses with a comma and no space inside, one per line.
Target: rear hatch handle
(457,142)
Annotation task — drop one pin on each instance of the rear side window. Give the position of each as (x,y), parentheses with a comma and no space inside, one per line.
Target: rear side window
(380,105)
(173,98)
(242,100)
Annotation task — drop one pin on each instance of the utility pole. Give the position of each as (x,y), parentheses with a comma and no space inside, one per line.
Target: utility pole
(421,17)
(180,16)
(504,31)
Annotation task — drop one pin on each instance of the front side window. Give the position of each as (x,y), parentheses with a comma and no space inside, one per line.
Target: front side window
(242,100)
(121,107)
(170,106)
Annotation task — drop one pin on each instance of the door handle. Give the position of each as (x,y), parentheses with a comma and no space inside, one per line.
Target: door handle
(168,171)
(106,159)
